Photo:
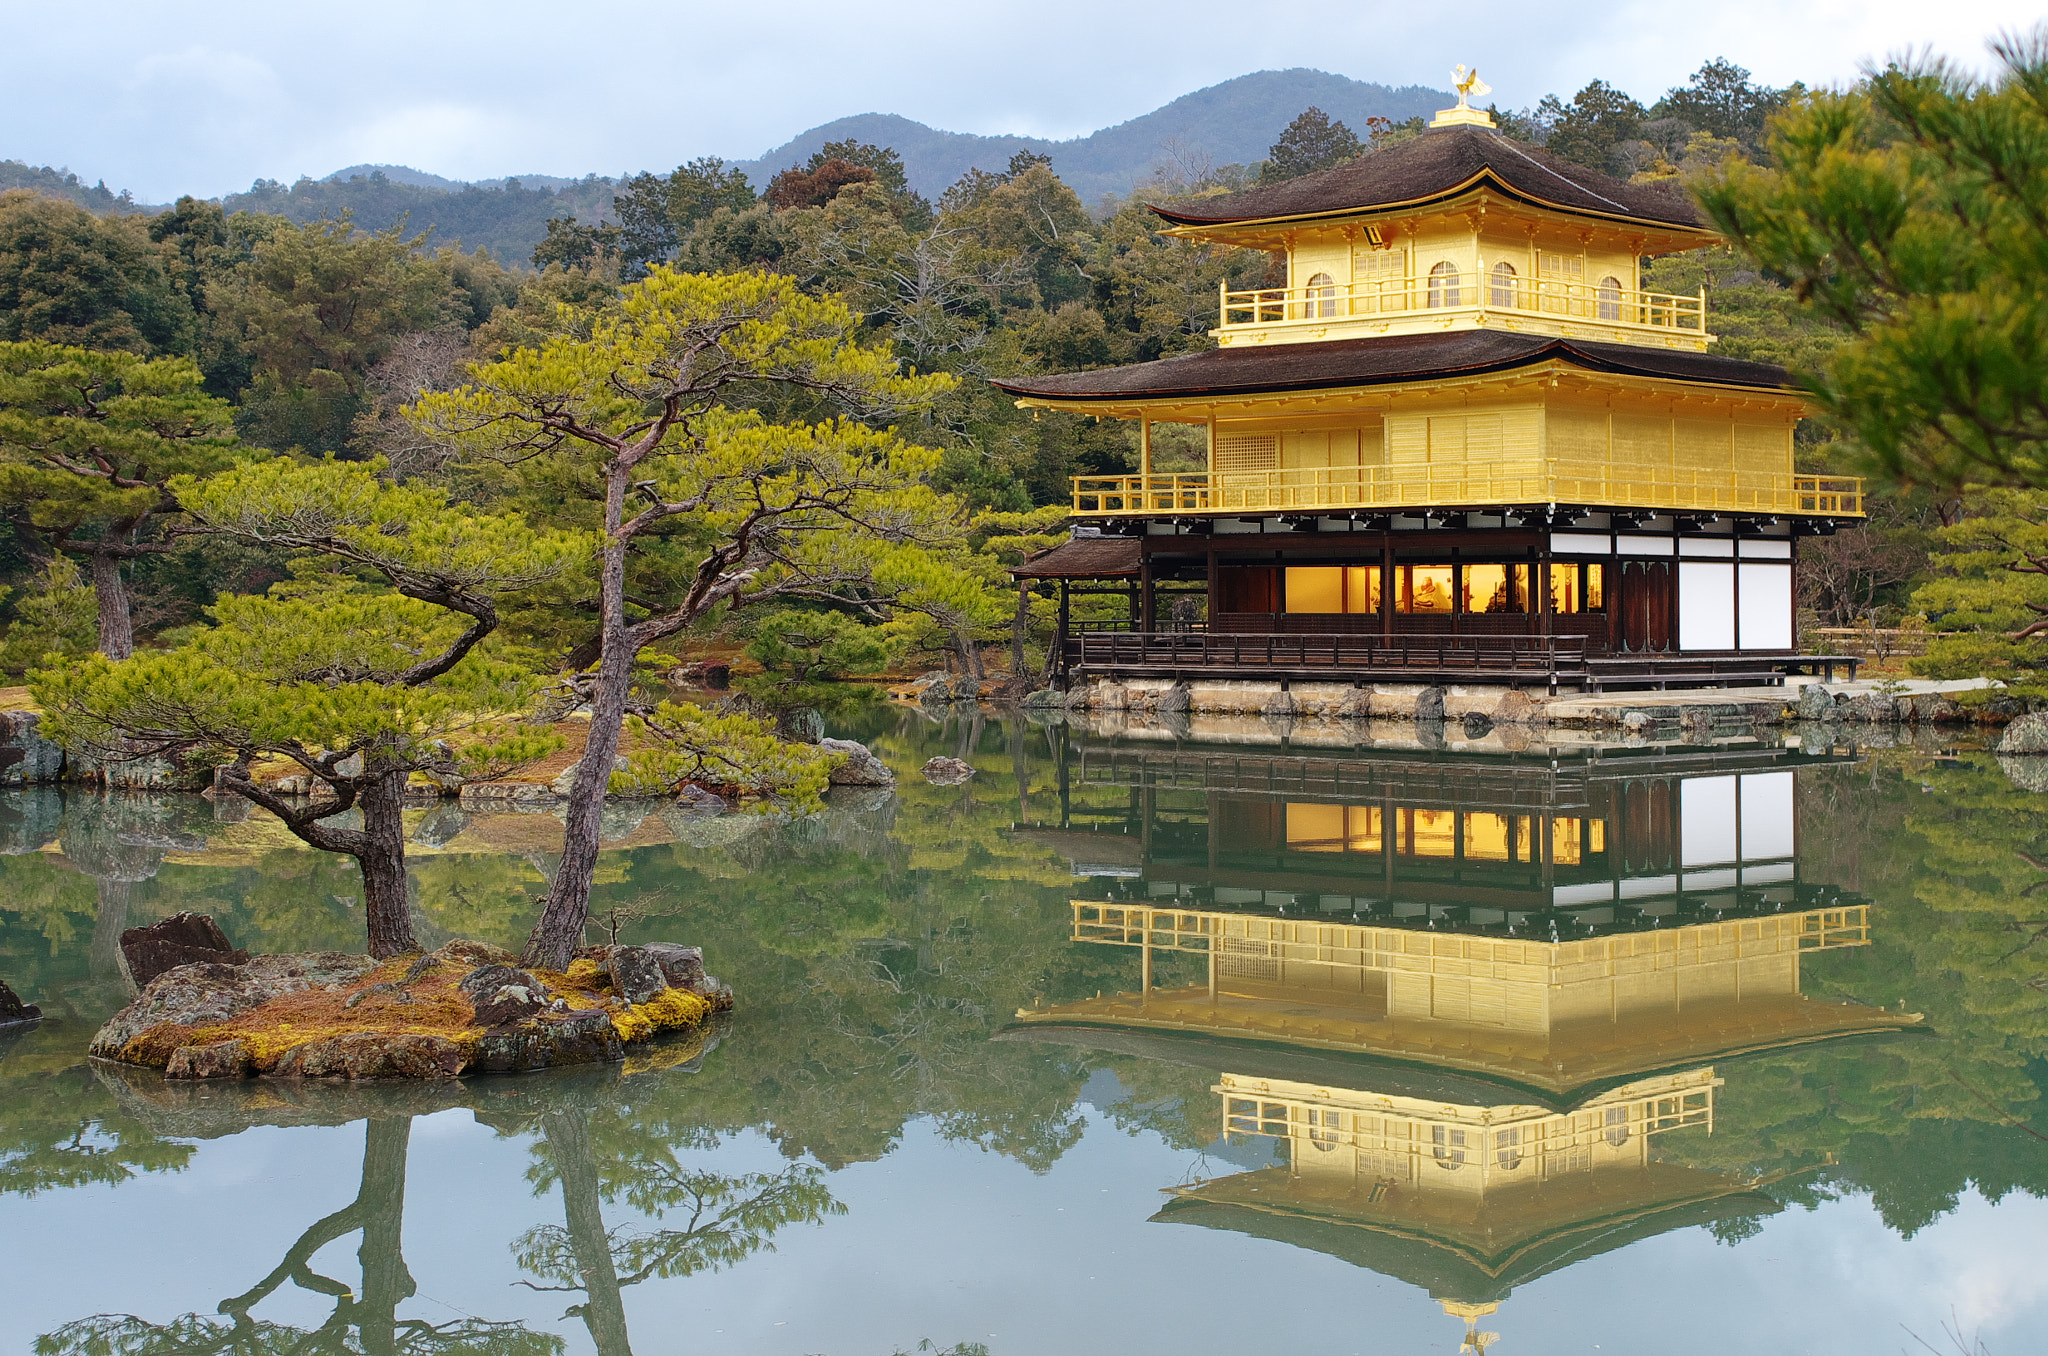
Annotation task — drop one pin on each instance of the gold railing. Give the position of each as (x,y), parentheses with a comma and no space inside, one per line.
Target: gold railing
(1466,294)
(1469,484)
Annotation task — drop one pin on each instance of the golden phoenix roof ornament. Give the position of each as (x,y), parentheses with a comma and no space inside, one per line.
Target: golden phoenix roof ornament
(1469,86)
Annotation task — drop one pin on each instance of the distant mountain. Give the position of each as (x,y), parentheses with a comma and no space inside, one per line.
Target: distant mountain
(405,174)
(1231,123)
(57,183)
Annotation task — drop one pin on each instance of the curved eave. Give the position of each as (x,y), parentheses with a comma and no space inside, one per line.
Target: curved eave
(1484,178)
(1561,352)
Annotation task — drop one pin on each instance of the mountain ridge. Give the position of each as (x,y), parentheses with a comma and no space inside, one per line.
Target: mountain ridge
(1233,121)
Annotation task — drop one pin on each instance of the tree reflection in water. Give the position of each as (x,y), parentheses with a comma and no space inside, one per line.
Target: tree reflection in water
(725,1218)
(365,1321)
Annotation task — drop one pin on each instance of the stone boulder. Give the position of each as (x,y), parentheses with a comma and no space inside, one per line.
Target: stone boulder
(209,993)
(2025,737)
(373,1054)
(181,939)
(26,758)
(1044,698)
(946,771)
(1816,703)
(503,993)
(695,800)
(13,1010)
(550,1041)
(858,766)
(221,1059)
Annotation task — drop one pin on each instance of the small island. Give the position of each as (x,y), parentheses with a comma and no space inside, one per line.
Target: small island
(465,1007)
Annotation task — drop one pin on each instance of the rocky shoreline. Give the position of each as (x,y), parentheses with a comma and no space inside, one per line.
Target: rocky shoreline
(464,1008)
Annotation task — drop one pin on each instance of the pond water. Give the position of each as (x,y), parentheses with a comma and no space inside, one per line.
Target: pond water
(1131,1043)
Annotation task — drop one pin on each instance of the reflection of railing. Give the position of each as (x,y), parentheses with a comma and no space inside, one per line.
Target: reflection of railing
(1358,946)
(1474,483)
(1441,296)
(1492,1139)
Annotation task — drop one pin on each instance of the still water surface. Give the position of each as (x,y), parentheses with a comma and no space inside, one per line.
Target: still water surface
(1126,1045)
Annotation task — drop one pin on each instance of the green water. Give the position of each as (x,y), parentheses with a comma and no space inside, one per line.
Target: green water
(879,1150)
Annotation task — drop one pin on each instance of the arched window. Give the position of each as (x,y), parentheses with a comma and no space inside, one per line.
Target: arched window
(1504,291)
(1443,285)
(1320,297)
(1324,1128)
(1507,1149)
(1617,1125)
(1449,1147)
(1608,303)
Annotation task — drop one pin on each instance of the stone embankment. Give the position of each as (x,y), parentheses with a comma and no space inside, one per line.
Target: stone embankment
(466,1007)
(1915,702)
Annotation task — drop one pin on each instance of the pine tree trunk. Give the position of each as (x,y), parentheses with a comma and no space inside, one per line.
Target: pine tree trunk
(567,904)
(604,1313)
(117,630)
(385,899)
(387,1283)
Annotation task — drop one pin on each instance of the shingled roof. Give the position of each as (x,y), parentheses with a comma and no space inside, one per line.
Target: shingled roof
(1436,166)
(1083,558)
(1249,369)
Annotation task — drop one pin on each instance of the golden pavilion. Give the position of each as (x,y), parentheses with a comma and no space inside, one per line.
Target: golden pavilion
(1462,441)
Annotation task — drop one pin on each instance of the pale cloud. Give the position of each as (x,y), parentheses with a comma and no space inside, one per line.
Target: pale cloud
(472,89)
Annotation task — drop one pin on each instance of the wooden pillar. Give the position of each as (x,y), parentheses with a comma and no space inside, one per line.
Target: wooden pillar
(1017,631)
(1148,606)
(1386,589)
(1065,614)
(1145,452)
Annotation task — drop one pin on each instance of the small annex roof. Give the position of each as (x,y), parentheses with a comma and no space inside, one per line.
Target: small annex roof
(1084,558)
(1436,166)
(1383,360)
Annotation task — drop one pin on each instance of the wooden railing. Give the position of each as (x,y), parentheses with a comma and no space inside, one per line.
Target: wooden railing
(1531,659)
(1441,297)
(1473,484)
(1550,661)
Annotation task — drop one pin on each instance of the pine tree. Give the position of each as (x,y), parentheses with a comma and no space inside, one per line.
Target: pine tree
(1314,141)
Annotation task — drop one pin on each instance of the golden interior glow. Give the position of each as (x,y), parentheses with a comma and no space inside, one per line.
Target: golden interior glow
(1423,588)
(1496,588)
(1333,588)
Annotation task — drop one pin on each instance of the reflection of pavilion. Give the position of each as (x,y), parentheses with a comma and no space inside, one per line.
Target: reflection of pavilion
(1465,1004)
(1466,1202)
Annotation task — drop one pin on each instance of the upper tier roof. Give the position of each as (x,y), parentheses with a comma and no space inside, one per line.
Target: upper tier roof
(1439,165)
(1247,369)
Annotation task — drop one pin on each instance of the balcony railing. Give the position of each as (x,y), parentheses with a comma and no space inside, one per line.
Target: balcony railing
(1441,297)
(1469,484)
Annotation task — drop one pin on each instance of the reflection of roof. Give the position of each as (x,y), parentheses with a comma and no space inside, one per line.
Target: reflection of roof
(1585,1215)
(1083,558)
(1250,369)
(1300,1039)
(1081,847)
(1437,166)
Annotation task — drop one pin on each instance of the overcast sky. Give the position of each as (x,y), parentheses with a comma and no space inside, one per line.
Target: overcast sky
(168,99)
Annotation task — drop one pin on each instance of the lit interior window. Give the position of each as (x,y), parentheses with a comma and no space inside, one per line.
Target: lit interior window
(1496,588)
(1424,588)
(1333,588)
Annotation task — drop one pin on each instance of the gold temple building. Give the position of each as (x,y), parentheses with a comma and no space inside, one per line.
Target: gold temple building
(1461,440)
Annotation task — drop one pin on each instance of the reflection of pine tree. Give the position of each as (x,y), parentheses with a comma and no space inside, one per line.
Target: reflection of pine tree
(723,1218)
(365,1317)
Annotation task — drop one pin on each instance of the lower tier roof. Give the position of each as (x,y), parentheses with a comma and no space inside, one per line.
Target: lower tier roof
(1252,369)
